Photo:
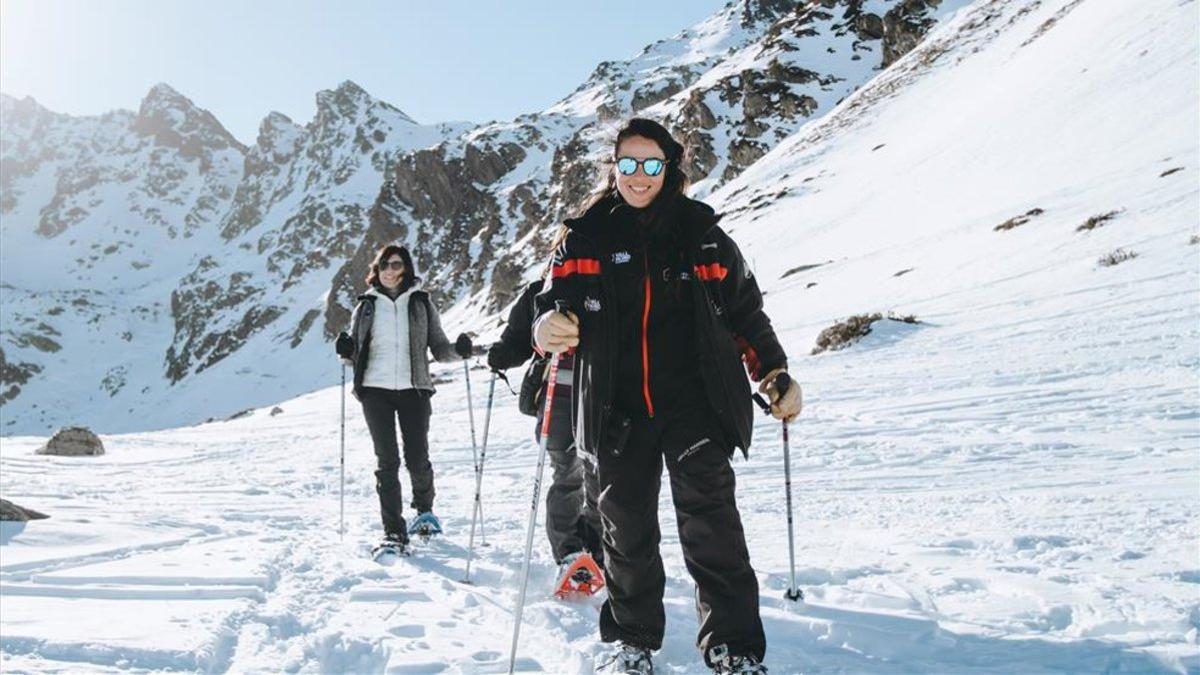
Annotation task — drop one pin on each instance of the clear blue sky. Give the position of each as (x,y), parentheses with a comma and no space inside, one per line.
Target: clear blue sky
(437,60)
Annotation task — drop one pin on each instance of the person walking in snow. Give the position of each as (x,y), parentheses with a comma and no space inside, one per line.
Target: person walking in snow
(394,324)
(664,311)
(572,522)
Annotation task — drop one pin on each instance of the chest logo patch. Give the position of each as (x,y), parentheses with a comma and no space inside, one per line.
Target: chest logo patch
(621,257)
(591,304)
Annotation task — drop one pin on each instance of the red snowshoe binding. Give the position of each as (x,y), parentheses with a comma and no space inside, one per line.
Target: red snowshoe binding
(580,577)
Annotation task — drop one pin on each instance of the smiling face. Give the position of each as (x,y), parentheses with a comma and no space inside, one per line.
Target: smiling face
(391,271)
(639,190)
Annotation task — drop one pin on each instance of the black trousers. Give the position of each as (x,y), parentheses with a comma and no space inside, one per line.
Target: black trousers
(710,532)
(572,521)
(383,408)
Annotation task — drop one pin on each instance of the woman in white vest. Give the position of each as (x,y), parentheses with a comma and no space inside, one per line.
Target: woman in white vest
(393,327)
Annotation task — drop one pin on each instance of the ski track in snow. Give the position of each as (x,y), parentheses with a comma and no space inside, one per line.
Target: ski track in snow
(1007,487)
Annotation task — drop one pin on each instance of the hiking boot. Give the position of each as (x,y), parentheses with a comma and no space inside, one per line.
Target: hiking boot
(627,659)
(724,663)
(391,546)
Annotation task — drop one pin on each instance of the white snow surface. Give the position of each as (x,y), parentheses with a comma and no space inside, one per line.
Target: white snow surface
(1008,486)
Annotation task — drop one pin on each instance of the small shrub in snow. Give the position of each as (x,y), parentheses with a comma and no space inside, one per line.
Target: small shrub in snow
(1116,257)
(1194,240)
(801,268)
(1096,221)
(845,333)
(1017,221)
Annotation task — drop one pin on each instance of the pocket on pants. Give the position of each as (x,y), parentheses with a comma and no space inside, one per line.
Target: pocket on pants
(616,436)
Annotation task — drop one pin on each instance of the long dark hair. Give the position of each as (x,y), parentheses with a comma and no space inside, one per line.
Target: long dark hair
(410,273)
(675,180)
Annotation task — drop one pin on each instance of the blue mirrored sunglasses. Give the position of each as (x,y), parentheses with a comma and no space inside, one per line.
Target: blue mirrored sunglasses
(652,166)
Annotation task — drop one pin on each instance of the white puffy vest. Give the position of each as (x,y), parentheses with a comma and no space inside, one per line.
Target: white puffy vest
(389,359)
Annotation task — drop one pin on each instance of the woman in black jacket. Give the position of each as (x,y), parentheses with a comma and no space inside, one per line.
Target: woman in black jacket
(394,325)
(664,312)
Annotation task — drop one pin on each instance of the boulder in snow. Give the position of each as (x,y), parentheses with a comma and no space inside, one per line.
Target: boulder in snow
(73,442)
(10,511)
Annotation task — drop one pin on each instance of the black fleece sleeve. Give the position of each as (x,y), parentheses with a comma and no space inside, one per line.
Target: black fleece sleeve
(515,345)
(752,328)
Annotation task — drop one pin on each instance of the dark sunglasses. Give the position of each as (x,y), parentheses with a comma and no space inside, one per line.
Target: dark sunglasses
(651,165)
(394,265)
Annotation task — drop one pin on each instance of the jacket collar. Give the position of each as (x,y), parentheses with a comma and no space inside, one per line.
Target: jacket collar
(697,218)
(372,294)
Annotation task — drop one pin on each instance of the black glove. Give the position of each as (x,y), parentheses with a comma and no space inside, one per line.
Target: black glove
(344,346)
(495,361)
(463,346)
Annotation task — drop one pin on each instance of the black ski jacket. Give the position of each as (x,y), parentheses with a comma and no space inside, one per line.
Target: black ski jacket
(516,342)
(730,326)
(515,346)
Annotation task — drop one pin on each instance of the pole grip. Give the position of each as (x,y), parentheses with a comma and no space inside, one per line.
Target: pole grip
(783,382)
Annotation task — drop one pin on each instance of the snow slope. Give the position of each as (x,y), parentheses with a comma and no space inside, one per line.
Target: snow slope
(1008,486)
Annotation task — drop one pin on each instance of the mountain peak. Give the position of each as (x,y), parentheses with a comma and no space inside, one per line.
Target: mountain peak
(26,104)
(278,134)
(349,98)
(163,95)
(174,120)
(753,11)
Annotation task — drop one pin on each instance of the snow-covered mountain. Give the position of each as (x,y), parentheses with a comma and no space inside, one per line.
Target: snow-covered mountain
(199,277)
(1007,486)
(482,208)
(139,250)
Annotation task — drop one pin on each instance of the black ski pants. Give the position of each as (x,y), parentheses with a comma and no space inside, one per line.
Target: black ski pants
(572,521)
(710,533)
(383,408)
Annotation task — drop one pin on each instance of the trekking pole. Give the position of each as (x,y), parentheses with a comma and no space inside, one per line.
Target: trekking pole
(487,422)
(559,306)
(342,494)
(478,507)
(782,383)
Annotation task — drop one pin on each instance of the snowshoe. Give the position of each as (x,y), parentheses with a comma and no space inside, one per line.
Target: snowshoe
(425,525)
(724,663)
(627,659)
(578,576)
(389,549)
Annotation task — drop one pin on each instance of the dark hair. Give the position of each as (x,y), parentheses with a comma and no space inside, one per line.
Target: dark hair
(675,180)
(560,235)
(410,273)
